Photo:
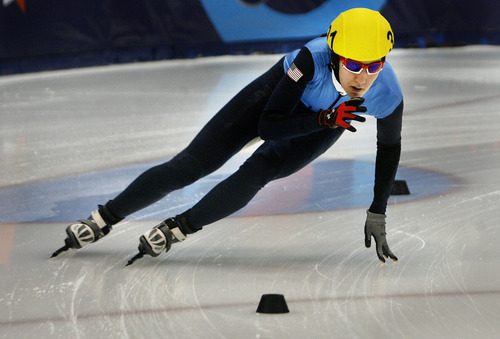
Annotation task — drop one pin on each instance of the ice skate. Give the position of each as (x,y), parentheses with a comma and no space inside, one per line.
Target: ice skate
(84,232)
(159,239)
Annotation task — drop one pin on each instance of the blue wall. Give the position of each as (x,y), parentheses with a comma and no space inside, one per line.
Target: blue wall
(50,34)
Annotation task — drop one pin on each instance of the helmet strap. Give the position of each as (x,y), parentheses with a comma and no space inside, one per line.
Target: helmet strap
(338,86)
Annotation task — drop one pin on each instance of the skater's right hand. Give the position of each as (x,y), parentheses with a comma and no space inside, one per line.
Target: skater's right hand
(342,114)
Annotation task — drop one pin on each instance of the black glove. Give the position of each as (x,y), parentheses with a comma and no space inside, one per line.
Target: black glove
(375,226)
(338,117)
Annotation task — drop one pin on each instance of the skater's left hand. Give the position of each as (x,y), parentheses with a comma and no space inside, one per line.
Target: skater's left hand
(375,226)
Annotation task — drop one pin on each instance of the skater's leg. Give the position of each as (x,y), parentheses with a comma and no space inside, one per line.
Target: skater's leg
(273,160)
(224,135)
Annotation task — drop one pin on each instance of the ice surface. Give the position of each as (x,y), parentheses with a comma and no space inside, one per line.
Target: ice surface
(70,139)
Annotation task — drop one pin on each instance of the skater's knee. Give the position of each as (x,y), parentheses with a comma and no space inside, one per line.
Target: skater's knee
(260,169)
(179,172)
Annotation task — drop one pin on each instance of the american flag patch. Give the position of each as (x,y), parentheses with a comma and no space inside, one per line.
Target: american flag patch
(294,73)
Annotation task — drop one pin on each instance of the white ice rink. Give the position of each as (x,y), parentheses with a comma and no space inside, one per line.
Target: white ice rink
(70,140)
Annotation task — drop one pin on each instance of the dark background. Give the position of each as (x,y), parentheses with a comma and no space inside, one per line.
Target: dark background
(40,35)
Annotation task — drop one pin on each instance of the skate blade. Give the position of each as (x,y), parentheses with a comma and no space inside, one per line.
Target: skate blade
(134,258)
(62,249)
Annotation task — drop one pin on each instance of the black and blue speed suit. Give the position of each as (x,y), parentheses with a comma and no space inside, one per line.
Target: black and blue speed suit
(284,113)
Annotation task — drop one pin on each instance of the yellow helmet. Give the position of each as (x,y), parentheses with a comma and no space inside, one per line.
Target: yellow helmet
(361,34)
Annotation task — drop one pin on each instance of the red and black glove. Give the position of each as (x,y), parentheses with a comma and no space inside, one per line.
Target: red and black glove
(338,117)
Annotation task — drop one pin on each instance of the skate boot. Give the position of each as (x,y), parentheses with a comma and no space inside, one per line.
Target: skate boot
(86,231)
(161,238)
